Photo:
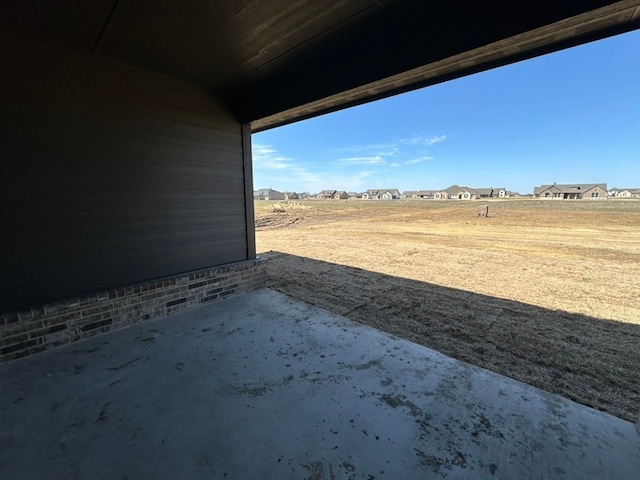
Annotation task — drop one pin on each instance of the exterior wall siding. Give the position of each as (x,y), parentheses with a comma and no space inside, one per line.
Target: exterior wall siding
(26,332)
(112,175)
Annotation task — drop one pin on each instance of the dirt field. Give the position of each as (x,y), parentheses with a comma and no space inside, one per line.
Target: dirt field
(546,292)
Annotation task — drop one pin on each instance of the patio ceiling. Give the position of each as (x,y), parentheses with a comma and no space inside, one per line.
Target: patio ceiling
(277,61)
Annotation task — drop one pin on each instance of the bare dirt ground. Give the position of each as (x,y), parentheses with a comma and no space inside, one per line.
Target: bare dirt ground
(546,292)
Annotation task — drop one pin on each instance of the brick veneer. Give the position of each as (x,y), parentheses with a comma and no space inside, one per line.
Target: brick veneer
(28,332)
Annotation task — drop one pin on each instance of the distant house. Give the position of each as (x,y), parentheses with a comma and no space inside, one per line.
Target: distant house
(455,192)
(426,194)
(390,195)
(354,195)
(382,194)
(573,191)
(341,195)
(440,195)
(326,195)
(624,192)
(291,196)
(491,192)
(268,194)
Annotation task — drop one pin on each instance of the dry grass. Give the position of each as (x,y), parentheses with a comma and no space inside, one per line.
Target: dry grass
(545,292)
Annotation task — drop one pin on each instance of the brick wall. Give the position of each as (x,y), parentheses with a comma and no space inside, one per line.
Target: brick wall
(28,332)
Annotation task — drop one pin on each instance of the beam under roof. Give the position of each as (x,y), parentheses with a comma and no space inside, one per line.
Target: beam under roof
(594,25)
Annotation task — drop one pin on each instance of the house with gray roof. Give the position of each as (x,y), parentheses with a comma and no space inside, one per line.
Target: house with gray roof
(455,192)
(341,195)
(267,194)
(427,194)
(326,194)
(493,192)
(572,191)
(382,194)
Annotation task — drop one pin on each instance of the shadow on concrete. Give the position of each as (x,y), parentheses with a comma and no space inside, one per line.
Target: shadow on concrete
(592,361)
(264,386)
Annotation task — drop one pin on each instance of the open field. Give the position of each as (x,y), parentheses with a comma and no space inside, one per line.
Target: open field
(546,292)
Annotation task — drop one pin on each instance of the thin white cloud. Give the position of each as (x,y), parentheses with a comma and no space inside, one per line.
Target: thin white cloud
(395,164)
(368,154)
(265,156)
(423,140)
(366,174)
(374,147)
(286,174)
(389,153)
(370,160)
(418,160)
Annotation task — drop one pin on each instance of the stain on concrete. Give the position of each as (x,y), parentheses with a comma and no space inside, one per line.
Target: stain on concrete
(398,400)
(371,363)
(447,389)
(315,469)
(459,459)
(483,425)
(559,471)
(254,391)
(103,415)
(430,461)
(79,423)
(441,466)
(120,367)
(348,467)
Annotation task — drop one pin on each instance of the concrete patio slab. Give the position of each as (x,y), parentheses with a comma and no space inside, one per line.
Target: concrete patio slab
(264,386)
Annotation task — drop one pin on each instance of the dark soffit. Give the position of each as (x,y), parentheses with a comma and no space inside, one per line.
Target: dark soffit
(277,61)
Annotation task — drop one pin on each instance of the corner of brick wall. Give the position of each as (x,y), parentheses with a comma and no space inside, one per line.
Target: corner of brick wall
(28,332)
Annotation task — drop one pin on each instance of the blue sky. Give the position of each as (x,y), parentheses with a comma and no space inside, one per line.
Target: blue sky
(568,117)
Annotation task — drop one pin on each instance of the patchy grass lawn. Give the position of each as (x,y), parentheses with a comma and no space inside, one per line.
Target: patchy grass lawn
(547,292)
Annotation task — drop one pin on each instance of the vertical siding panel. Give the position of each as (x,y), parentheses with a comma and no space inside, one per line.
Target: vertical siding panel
(248,191)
